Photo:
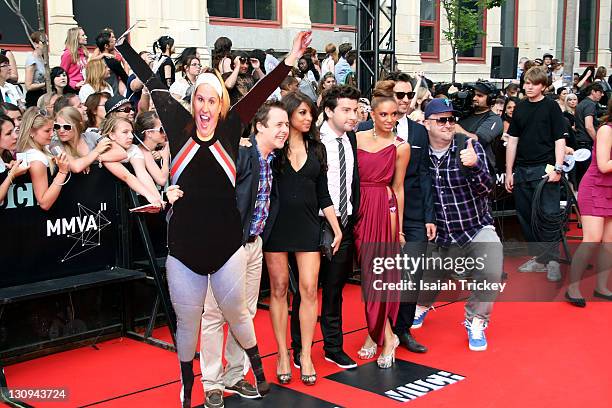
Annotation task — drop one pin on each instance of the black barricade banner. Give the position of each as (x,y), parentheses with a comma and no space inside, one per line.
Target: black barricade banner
(77,235)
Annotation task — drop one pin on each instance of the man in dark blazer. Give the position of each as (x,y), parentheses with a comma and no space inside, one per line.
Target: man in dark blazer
(339,104)
(419,215)
(254,190)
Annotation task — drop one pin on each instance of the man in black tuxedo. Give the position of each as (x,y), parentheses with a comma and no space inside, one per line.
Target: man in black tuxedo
(339,104)
(419,214)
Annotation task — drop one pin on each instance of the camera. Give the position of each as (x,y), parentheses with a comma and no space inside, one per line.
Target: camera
(463,100)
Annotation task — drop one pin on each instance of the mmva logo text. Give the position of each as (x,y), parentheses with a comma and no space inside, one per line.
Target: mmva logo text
(84,229)
(65,226)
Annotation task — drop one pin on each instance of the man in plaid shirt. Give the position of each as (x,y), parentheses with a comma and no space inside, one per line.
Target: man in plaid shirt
(461,182)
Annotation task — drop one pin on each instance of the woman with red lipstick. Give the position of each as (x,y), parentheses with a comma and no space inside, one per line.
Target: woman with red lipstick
(301,173)
(204,226)
(382,159)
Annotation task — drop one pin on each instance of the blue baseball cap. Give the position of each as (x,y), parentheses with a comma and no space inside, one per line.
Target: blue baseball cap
(438,105)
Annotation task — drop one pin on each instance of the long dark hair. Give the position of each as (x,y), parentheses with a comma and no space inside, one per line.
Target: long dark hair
(292,102)
(164,43)
(508,100)
(182,59)
(311,66)
(222,49)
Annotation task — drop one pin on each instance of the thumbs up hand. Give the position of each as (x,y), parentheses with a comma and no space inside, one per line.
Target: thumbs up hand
(468,156)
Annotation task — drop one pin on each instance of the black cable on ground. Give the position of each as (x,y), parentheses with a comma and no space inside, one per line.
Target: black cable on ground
(545,225)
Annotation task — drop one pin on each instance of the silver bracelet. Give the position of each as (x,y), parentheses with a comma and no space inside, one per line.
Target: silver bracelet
(66,181)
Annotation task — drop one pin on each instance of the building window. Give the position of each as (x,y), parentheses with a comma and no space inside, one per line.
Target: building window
(12,31)
(333,12)
(587,33)
(429,30)
(95,16)
(266,10)
(509,23)
(478,51)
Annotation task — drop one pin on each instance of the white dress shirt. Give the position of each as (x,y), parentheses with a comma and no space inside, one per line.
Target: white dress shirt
(402,128)
(328,138)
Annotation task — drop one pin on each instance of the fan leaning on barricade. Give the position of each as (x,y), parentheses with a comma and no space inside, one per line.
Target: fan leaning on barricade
(204,148)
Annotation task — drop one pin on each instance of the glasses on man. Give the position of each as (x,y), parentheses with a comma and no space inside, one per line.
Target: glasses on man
(159,129)
(67,127)
(243,60)
(5,66)
(443,121)
(402,95)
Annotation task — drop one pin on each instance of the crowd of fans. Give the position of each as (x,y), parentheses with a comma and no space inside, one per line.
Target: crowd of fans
(101,113)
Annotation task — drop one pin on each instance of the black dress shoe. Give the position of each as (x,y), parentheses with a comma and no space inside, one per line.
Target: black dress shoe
(601,295)
(296,358)
(411,344)
(341,359)
(578,302)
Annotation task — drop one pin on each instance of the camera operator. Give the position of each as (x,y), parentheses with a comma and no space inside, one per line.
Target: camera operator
(483,125)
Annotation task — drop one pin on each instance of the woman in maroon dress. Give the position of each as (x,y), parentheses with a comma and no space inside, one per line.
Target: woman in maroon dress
(595,203)
(382,159)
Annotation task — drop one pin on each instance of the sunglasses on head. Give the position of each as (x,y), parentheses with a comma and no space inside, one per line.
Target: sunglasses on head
(67,127)
(159,129)
(127,109)
(402,95)
(443,121)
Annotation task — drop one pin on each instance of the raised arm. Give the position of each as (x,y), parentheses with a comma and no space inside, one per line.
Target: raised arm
(174,117)
(248,105)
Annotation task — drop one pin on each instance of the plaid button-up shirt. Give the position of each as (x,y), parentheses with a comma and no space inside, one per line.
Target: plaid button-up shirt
(262,202)
(461,197)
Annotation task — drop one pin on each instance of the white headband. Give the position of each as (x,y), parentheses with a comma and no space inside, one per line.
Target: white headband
(210,79)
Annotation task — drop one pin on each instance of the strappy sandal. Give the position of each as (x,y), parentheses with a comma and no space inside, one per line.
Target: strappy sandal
(366,353)
(307,379)
(283,378)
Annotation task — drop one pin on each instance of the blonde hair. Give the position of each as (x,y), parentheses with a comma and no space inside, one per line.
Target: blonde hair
(110,123)
(96,71)
(73,46)
(33,119)
(224,99)
(73,116)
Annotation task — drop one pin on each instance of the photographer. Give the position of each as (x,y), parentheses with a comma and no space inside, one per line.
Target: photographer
(483,125)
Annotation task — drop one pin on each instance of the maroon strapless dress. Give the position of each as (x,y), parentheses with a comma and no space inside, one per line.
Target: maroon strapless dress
(374,237)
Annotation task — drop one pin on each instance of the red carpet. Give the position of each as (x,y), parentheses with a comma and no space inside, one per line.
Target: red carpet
(540,355)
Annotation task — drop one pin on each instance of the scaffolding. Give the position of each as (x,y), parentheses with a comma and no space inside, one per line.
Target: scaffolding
(375,50)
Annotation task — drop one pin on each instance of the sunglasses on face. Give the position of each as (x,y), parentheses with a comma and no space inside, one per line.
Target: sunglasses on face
(67,127)
(443,121)
(402,95)
(243,60)
(127,109)
(159,129)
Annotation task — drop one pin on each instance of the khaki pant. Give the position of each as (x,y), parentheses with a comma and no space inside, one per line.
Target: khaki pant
(214,376)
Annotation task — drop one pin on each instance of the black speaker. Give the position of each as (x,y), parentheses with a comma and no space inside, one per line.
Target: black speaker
(504,61)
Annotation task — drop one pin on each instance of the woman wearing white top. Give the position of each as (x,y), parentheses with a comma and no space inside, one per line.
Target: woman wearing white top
(190,69)
(328,64)
(8,142)
(97,73)
(35,133)
(154,146)
(80,149)
(119,131)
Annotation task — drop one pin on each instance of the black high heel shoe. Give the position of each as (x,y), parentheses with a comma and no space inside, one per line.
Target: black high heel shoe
(283,378)
(307,379)
(578,302)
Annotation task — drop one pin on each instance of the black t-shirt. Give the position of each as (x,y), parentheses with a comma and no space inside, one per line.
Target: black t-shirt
(537,125)
(587,107)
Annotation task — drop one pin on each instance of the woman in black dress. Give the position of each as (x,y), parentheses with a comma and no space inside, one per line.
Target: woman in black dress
(204,227)
(301,174)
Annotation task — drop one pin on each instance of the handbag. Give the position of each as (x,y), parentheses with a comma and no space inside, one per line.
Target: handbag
(326,238)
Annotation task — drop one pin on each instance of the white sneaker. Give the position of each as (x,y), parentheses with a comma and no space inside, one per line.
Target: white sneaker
(532,266)
(553,271)
(476,336)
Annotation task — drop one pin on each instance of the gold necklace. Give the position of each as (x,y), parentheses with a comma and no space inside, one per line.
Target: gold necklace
(374,134)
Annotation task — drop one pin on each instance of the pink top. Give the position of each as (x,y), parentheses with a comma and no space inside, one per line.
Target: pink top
(74,70)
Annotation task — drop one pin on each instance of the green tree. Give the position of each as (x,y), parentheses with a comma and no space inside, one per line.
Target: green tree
(463,18)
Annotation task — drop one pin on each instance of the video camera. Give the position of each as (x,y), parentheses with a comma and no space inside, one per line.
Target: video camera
(463,100)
